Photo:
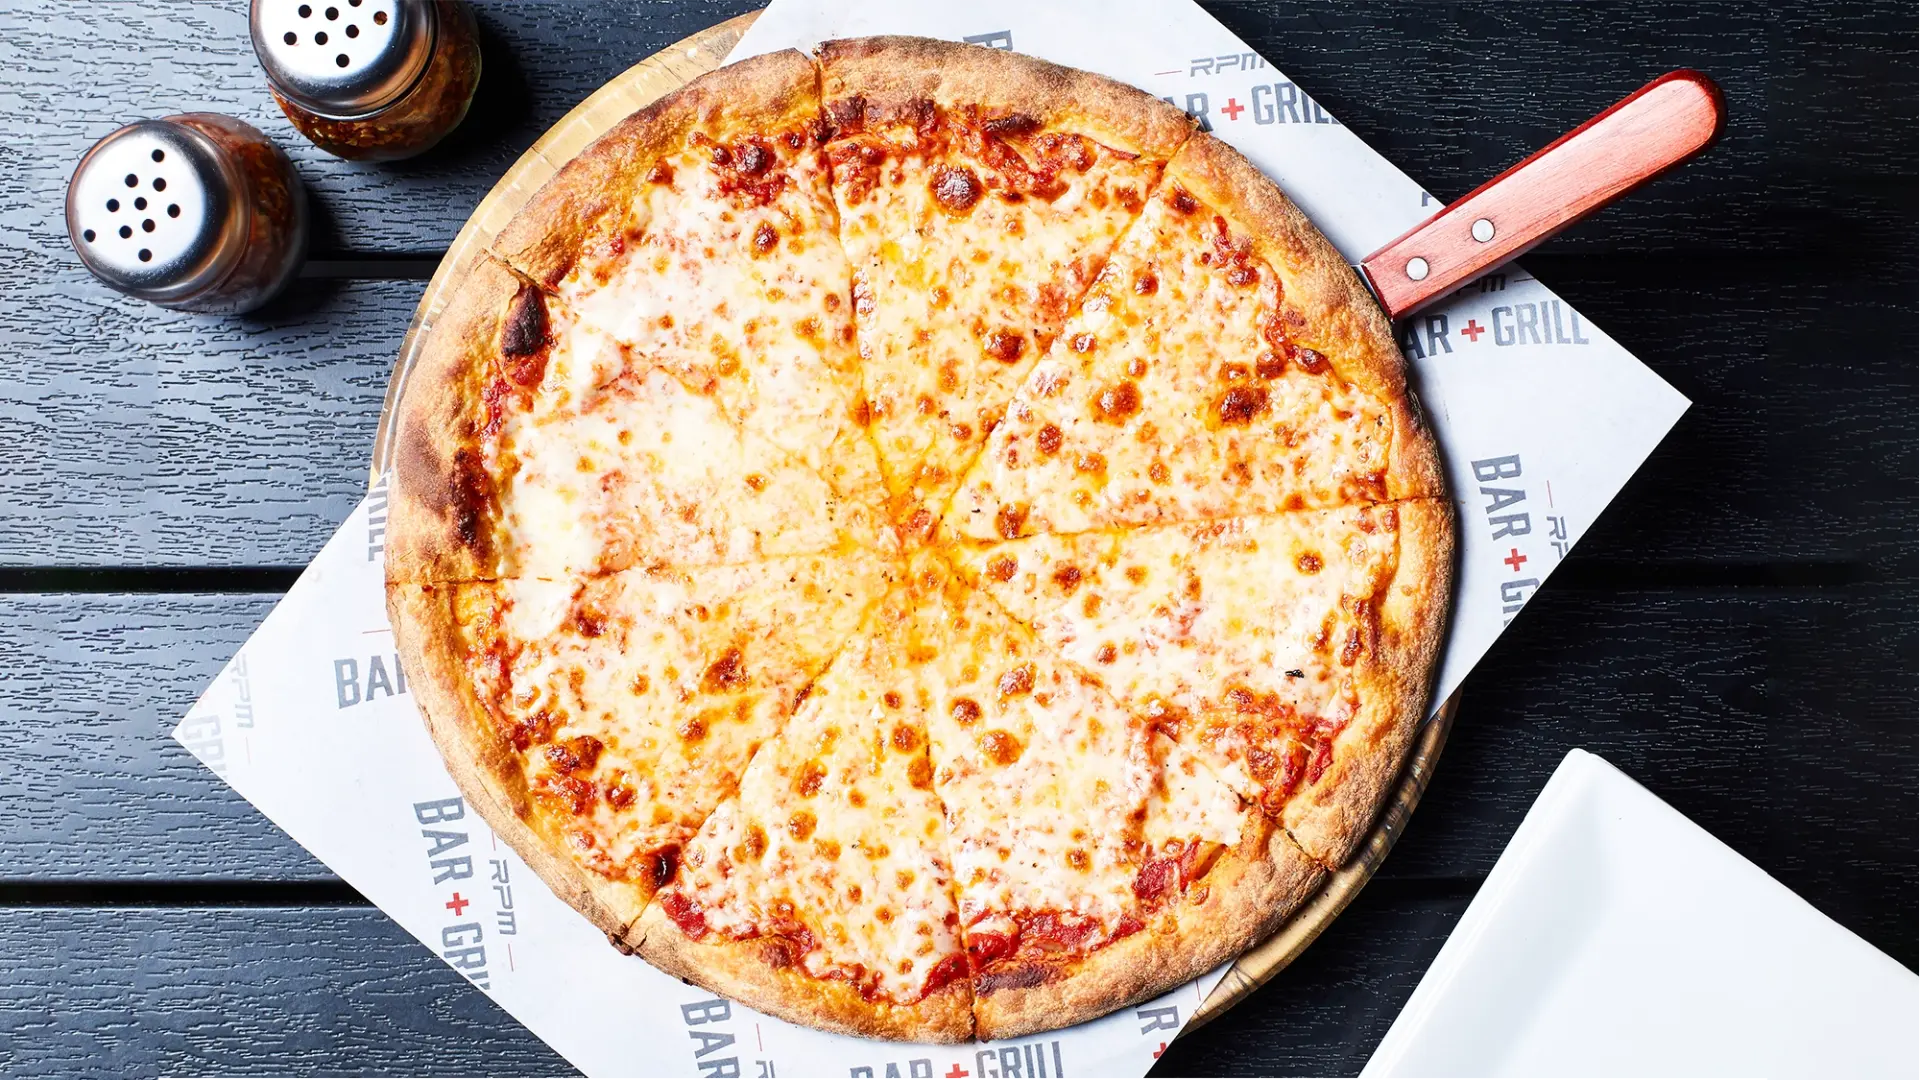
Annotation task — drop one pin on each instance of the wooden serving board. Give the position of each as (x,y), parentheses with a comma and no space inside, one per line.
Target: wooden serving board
(653,78)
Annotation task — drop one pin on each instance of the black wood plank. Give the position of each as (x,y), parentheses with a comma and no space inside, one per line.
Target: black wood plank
(142,437)
(147,438)
(95,790)
(113,992)
(118,992)
(1747,709)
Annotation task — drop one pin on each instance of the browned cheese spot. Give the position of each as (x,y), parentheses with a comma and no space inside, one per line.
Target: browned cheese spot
(920,773)
(1082,343)
(905,738)
(764,238)
(1117,403)
(956,189)
(1182,201)
(725,674)
(1106,654)
(892,698)
(1049,439)
(755,844)
(1002,568)
(1000,747)
(1240,404)
(1136,574)
(801,825)
(1146,284)
(1308,562)
(965,712)
(1017,681)
(691,728)
(1006,345)
(1067,576)
(1077,859)
(807,781)
(1010,519)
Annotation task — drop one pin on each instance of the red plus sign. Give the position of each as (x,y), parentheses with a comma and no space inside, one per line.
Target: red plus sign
(1473,330)
(458,905)
(958,1071)
(1514,559)
(1233,109)
(1162,1050)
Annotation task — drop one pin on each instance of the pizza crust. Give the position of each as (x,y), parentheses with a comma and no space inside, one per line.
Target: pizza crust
(548,235)
(426,631)
(1241,900)
(436,531)
(1338,317)
(758,974)
(893,74)
(1331,816)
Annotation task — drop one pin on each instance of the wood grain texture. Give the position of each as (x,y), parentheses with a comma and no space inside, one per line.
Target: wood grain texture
(1736,632)
(116,992)
(96,790)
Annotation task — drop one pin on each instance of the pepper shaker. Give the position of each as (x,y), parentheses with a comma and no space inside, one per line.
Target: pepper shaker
(198,211)
(369,80)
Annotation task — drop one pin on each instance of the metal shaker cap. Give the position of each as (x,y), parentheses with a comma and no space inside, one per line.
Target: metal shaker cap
(343,59)
(154,210)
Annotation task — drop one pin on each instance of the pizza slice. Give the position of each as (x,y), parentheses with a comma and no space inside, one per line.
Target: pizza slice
(1290,653)
(603,719)
(1226,362)
(699,233)
(823,892)
(529,447)
(979,192)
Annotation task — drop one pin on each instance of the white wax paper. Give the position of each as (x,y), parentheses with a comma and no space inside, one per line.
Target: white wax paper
(1540,415)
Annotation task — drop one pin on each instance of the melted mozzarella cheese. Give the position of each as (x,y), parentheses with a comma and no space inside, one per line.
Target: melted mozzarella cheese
(601,474)
(835,841)
(635,700)
(743,300)
(1044,777)
(1235,633)
(1164,399)
(955,304)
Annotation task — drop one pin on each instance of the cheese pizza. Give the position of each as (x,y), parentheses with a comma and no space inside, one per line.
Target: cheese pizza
(918,540)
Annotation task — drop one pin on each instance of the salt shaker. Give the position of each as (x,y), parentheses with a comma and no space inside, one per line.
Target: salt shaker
(369,80)
(197,211)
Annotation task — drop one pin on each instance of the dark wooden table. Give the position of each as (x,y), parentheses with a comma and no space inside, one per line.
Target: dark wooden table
(1737,632)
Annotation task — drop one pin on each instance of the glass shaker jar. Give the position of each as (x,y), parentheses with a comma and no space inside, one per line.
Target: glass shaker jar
(198,211)
(369,80)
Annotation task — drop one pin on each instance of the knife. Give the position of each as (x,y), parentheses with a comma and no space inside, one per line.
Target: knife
(1658,126)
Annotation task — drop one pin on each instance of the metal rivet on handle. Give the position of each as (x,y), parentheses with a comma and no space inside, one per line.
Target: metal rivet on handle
(1417,268)
(1483,230)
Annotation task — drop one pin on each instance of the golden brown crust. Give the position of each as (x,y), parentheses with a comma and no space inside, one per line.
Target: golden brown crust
(1329,309)
(758,975)
(1242,899)
(435,522)
(1331,816)
(892,74)
(428,634)
(772,92)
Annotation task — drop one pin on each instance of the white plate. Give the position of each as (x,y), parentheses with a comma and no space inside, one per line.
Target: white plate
(1616,937)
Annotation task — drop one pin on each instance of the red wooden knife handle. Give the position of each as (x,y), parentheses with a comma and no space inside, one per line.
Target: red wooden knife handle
(1653,129)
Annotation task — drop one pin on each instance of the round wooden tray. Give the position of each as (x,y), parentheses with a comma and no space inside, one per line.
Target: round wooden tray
(654,77)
